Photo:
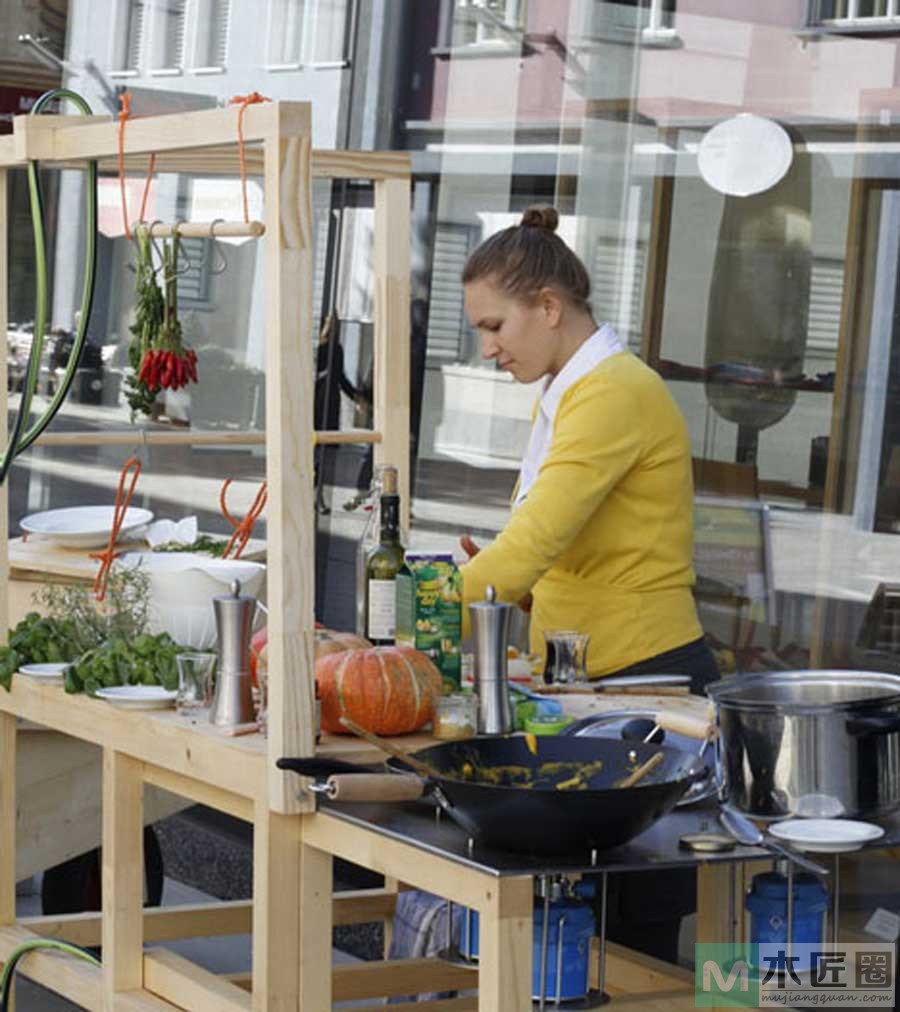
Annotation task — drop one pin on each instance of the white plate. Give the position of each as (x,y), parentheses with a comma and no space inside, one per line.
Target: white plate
(138,697)
(826,835)
(82,526)
(52,671)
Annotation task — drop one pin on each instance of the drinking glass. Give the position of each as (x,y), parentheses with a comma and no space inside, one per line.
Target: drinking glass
(195,681)
(566,656)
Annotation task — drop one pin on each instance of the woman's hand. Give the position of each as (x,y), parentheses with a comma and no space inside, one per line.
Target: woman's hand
(471,550)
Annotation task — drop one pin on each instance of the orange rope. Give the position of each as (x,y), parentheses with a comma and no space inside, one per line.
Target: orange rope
(242,528)
(243,101)
(124,116)
(108,554)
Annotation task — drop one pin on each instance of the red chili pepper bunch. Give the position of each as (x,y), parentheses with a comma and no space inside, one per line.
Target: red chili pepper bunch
(168,368)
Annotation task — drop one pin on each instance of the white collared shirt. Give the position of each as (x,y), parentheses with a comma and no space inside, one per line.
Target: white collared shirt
(602,344)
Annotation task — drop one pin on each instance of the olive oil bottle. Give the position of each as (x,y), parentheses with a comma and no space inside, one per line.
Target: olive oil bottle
(383,562)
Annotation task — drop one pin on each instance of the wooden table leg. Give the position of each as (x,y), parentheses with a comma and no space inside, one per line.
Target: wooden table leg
(316,923)
(123,876)
(7,818)
(505,946)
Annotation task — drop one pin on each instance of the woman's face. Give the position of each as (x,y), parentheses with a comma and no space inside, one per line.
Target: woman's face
(522,336)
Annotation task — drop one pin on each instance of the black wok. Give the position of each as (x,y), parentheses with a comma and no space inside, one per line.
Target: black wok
(540,819)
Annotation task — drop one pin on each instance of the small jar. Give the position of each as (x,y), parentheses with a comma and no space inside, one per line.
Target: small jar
(456,716)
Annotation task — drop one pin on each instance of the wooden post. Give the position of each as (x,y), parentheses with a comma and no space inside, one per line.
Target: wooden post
(289,440)
(658,257)
(316,922)
(505,946)
(391,332)
(123,876)
(7,818)
(276,911)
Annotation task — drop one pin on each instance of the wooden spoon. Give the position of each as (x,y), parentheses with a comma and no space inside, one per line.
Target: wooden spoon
(641,771)
(423,769)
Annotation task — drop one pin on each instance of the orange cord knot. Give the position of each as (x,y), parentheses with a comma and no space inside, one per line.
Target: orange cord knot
(254,98)
(124,116)
(109,553)
(242,528)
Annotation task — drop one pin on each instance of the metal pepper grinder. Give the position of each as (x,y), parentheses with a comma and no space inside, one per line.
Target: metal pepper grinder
(233,703)
(490,622)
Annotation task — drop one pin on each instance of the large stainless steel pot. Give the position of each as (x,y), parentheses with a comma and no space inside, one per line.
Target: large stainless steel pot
(809,743)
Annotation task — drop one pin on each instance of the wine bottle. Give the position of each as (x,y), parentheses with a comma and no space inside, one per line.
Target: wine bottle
(383,562)
(367,541)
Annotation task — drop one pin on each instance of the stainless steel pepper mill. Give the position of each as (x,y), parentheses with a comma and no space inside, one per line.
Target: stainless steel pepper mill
(490,622)
(233,703)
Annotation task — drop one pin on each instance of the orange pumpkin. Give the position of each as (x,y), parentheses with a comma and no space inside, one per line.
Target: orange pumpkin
(388,690)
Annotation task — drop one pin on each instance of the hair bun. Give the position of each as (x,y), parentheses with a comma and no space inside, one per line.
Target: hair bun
(541,216)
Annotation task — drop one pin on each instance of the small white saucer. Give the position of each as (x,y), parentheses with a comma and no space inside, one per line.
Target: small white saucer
(138,697)
(51,671)
(826,836)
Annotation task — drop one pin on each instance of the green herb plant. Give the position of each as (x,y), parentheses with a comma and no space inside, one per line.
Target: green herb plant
(107,643)
(149,313)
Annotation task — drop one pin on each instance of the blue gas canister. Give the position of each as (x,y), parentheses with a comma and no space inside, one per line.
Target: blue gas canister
(767,904)
(570,927)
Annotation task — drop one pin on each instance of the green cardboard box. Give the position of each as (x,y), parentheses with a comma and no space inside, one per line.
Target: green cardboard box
(429,612)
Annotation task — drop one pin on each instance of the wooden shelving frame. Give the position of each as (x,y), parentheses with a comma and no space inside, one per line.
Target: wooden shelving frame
(235,775)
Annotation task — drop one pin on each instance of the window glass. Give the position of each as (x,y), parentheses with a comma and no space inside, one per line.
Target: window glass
(762,290)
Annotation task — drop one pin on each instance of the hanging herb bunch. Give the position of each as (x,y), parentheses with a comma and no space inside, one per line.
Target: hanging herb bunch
(157,353)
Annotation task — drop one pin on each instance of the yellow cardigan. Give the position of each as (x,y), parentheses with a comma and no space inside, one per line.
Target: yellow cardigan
(604,539)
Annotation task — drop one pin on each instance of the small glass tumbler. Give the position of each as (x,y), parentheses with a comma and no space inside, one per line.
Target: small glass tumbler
(566,656)
(195,682)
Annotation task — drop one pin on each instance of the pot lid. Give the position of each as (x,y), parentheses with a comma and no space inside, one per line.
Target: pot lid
(807,691)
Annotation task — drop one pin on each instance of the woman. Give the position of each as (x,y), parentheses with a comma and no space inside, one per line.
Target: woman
(601,531)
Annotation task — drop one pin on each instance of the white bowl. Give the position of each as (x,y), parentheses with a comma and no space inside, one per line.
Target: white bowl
(182,586)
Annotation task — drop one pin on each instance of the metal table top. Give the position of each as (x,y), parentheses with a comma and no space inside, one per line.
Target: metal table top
(422,824)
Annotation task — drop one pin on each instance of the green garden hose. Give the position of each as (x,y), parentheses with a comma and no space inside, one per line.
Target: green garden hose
(21,438)
(9,968)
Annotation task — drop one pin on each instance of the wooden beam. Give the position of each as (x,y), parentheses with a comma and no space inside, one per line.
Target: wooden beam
(276,912)
(421,869)
(207,920)
(188,986)
(391,256)
(192,437)
(200,792)
(77,980)
(289,453)
(629,972)
(505,946)
(353,981)
(160,737)
(123,876)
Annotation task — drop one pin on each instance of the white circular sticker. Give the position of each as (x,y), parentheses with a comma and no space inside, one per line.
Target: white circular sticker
(744,155)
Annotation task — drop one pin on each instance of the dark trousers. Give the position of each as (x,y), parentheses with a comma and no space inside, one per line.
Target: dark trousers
(694,659)
(644,909)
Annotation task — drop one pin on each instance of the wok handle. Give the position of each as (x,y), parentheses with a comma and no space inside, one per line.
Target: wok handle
(687,724)
(372,787)
(886,722)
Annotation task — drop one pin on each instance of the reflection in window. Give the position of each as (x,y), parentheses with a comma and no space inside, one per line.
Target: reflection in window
(132,35)
(214,17)
(855,10)
(306,31)
(486,22)
(168,35)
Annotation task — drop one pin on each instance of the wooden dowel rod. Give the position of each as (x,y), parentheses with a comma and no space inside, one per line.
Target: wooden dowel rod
(193,437)
(203,229)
